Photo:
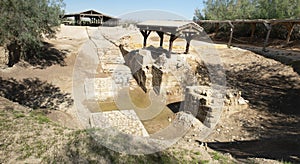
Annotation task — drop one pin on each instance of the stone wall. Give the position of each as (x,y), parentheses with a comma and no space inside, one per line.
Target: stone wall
(157,75)
(140,78)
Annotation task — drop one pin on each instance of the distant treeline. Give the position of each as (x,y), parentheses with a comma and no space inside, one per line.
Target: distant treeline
(249,9)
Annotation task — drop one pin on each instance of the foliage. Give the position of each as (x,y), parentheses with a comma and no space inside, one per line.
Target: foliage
(24,23)
(249,9)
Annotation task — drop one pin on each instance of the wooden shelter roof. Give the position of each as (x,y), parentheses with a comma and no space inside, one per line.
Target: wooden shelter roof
(173,27)
(89,13)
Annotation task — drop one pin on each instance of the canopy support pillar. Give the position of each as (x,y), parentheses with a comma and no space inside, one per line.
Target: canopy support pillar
(290,28)
(188,38)
(172,39)
(269,28)
(161,36)
(145,34)
(231,34)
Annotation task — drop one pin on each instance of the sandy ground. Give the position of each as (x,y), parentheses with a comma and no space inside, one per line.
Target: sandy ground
(268,129)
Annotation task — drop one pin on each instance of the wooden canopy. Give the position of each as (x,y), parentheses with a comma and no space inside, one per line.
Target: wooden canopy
(288,23)
(175,29)
(96,18)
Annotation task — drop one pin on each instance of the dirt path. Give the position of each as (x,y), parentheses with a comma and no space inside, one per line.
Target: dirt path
(58,77)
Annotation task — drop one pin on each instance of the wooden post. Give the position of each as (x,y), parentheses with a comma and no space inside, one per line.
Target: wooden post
(231,34)
(79,20)
(269,28)
(145,34)
(217,29)
(161,36)
(188,38)
(101,20)
(289,27)
(253,27)
(172,39)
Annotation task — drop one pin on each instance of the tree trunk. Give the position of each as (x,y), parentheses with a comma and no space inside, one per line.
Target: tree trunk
(13,54)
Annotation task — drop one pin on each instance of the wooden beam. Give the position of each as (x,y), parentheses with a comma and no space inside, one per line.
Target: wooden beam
(172,39)
(269,28)
(253,27)
(161,36)
(231,34)
(289,27)
(145,34)
(188,38)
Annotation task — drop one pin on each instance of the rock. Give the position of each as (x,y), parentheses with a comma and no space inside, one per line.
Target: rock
(242,101)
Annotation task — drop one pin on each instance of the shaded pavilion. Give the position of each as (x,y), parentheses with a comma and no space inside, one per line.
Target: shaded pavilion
(175,29)
(96,18)
(268,23)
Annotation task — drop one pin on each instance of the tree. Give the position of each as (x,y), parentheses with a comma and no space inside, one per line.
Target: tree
(250,9)
(278,9)
(198,15)
(23,24)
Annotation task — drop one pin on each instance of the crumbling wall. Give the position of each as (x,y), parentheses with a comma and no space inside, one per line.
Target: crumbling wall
(150,72)
(200,102)
(140,78)
(157,75)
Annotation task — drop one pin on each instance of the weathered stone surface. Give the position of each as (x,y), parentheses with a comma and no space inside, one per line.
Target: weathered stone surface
(152,70)
(200,101)
(125,121)
(3,57)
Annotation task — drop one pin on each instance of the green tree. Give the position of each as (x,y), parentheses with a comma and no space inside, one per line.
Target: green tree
(24,24)
(278,9)
(198,15)
(250,9)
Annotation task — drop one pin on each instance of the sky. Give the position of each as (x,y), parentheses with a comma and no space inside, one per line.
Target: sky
(119,8)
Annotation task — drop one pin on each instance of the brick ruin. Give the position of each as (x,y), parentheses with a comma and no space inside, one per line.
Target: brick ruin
(202,103)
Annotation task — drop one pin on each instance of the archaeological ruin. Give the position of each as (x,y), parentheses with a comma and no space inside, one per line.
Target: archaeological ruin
(146,81)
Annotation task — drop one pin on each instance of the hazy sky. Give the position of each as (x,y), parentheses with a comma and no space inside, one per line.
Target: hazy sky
(117,8)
